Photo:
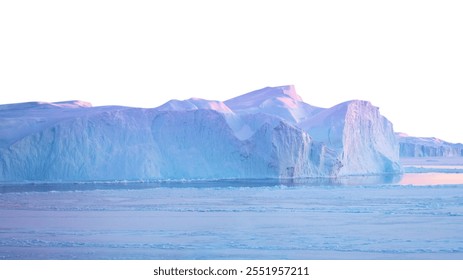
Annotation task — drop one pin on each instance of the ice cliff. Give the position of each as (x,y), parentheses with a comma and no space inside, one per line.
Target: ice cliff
(427,147)
(268,133)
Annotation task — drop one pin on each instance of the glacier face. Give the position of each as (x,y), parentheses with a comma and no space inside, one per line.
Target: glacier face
(427,147)
(368,142)
(268,133)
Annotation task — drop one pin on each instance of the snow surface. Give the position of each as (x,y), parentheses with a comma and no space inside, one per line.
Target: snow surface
(268,133)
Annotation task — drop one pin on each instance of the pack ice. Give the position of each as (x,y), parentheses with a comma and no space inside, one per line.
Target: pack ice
(268,133)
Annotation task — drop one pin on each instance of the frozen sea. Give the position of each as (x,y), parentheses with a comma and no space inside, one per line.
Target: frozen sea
(415,216)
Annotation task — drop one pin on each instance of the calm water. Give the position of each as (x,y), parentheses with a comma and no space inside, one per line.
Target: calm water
(417,216)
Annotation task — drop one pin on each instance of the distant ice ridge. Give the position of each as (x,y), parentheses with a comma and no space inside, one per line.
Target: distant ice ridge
(427,147)
(268,133)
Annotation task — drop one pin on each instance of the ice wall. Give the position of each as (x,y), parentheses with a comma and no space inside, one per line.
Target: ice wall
(427,147)
(269,133)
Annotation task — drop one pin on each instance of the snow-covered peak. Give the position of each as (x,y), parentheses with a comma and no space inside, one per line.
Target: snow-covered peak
(257,98)
(176,105)
(210,105)
(72,104)
(195,104)
(282,101)
(290,91)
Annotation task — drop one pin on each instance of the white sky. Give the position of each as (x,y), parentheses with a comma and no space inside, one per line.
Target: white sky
(406,57)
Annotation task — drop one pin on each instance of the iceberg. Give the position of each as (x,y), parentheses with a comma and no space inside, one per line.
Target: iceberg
(427,147)
(268,133)
(363,139)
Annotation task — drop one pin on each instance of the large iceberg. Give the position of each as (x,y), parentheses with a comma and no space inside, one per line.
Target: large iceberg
(268,133)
